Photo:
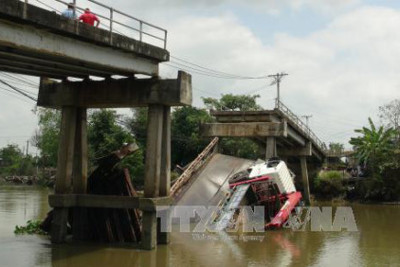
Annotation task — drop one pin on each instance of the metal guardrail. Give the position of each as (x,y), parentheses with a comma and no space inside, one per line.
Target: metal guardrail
(299,123)
(112,22)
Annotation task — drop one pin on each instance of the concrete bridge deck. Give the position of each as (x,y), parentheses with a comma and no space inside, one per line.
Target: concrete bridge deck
(38,42)
(285,134)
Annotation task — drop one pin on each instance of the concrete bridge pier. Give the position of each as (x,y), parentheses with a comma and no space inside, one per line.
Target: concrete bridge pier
(305,180)
(158,163)
(270,149)
(70,191)
(71,170)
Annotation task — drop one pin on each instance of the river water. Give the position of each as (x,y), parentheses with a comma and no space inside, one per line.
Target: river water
(376,243)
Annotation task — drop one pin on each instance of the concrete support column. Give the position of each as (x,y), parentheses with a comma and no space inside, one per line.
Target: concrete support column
(304,175)
(270,150)
(80,169)
(152,172)
(64,171)
(165,176)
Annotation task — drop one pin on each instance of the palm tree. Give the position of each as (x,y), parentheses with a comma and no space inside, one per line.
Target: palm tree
(374,145)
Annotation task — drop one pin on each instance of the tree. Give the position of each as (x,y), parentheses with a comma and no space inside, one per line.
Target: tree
(187,142)
(239,147)
(14,162)
(336,148)
(105,136)
(375,148)
(137,124)
(390,116)
(375,145)
(233,102)
(46,139)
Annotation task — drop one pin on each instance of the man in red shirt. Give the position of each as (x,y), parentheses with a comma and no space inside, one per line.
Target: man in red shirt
(89,18)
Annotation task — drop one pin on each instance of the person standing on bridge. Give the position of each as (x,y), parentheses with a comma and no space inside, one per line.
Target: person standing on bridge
(89,18)
(69,12)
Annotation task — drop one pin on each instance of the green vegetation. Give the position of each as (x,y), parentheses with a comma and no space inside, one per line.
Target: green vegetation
(105,135)
(329,184)
(14,162)
(336,148)
(32,227)
(233,102)
(377,148)
(374,147)
(186,140)
(239,147)
(46,138)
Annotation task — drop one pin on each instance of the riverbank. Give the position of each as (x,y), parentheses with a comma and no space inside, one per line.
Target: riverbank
(28,180)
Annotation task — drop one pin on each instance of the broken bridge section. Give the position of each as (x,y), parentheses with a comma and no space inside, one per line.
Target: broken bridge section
(279,131)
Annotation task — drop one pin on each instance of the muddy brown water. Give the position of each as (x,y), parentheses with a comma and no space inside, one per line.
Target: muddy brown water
(376,243)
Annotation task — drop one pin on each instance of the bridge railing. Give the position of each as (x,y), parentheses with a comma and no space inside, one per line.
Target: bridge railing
(193,167)
(300,124)
(142,29)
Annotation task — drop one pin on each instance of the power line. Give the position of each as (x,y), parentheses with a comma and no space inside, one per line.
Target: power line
(18,90)
(15,78)
(14,94)
(216,72)
(25,91)
(190,69)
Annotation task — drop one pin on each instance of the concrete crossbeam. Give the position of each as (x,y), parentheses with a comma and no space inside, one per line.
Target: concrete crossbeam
(128,92)
(105,201)
(296,151)
(247,129)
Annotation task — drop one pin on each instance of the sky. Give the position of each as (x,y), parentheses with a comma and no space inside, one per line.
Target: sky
(342,57)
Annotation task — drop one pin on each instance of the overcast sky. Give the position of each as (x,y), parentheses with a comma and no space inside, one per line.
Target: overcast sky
(342,57)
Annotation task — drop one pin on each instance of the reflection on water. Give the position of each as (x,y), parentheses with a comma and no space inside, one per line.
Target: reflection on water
(375,244)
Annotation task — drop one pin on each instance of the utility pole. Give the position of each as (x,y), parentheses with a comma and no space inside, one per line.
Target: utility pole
(27,147)
(307,117)
(277,80)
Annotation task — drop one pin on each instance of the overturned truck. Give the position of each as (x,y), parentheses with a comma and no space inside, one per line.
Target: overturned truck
(268,184)
(229,183)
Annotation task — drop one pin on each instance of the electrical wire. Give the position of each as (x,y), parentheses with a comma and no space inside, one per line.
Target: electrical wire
(13,94)
(216,71)
(4,74)
(18,90)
